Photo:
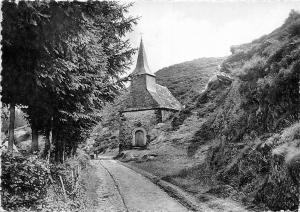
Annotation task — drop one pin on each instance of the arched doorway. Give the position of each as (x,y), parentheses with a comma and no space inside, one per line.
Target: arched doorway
(139,137)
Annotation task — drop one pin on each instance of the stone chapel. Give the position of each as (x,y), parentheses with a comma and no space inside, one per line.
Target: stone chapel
(146,105)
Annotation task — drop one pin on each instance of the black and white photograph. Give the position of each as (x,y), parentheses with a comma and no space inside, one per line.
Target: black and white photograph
(150,106)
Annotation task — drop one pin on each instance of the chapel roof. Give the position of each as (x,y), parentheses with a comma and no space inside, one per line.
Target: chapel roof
(142,63)
(164,98)
(157,95)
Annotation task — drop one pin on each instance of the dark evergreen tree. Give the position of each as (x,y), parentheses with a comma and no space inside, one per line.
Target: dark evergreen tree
(79,52)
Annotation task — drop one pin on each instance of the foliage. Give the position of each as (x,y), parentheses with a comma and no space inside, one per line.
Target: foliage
(80,186)
(31,184)
(18,54)
(265,94)
(105,133)
(24,180)
(260,170)
(180,117)
(272,91)
(69,65)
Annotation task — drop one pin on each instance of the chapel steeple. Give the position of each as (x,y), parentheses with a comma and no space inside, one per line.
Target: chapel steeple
(146,105)
(142,63)
(145,93)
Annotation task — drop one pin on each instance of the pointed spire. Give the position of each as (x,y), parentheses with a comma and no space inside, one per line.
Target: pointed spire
(142,64)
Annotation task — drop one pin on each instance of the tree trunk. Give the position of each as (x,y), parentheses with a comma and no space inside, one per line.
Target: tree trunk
(55,144)
(35,142)
(47,143)
(50,139)
(11,128)
(57,147)
(63,153)
(74,148)
(59,151)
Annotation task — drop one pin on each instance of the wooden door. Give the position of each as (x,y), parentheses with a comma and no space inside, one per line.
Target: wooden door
(139,138)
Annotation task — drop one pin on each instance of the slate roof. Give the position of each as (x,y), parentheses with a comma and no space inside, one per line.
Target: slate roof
(164,98)
(142,63)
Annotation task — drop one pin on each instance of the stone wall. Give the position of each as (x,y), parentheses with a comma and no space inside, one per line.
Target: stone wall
(132,120)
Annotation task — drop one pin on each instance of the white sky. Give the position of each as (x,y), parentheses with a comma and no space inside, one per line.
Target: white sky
(178,31)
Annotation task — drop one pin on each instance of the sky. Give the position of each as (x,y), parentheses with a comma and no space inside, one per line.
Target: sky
(178,31)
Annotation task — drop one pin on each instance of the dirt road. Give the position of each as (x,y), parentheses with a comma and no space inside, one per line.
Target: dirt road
(122,189)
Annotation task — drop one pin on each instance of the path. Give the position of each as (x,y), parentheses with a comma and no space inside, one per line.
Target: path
(122,189)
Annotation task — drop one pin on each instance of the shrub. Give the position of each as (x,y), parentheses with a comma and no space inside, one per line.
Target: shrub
(294,29)
(180,117)
(24,181)
(78,177)
(252,69)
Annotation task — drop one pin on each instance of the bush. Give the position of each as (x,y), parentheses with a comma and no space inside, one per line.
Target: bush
(252,69)
(179,118)
(24,181)
(294,29)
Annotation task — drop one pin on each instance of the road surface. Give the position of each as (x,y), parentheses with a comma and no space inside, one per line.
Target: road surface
(122,189)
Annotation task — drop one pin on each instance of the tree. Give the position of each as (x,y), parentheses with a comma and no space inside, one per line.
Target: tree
(78,54)
(85,83)
(18,58)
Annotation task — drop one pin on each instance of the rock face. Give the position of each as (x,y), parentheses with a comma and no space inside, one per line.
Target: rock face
(217,80)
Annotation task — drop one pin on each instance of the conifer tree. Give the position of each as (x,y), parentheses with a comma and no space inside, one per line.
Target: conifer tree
(78,53)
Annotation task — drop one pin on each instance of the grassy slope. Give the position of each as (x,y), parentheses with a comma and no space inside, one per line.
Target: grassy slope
(234,140)
(188,79)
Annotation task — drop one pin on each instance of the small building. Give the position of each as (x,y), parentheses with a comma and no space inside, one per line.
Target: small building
(146,105)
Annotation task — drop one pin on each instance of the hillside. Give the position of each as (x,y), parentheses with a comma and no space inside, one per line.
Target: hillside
(188,79)
(237,137)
